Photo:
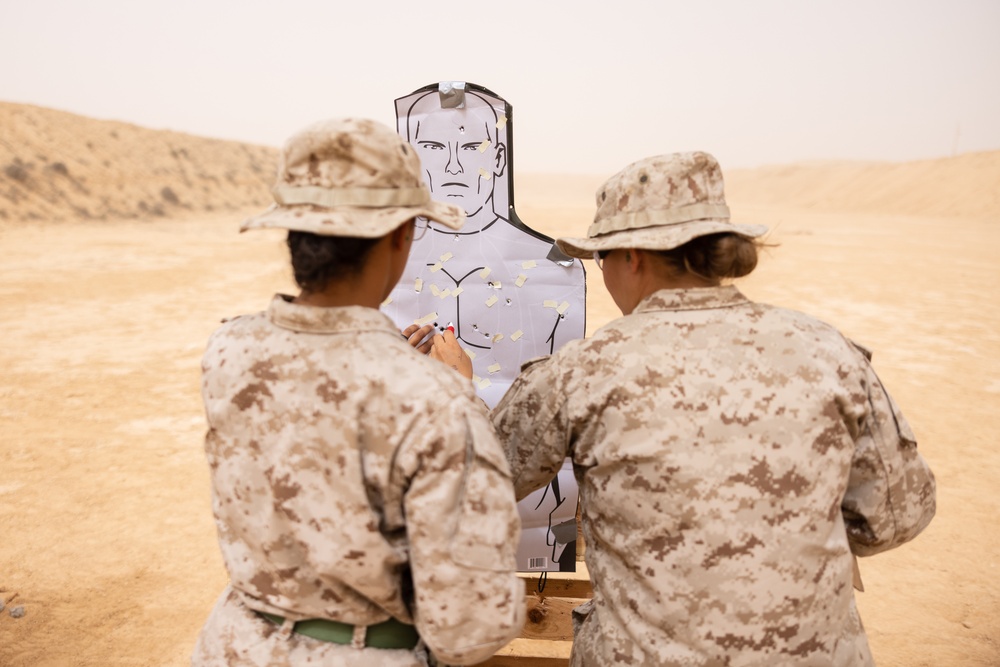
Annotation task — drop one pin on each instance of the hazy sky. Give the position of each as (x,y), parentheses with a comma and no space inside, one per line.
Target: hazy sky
(594,85)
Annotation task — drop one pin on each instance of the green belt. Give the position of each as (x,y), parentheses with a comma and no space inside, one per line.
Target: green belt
(387,634)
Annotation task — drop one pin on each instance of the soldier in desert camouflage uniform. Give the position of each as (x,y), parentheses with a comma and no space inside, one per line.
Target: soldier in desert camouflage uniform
(364,506)
(732,456)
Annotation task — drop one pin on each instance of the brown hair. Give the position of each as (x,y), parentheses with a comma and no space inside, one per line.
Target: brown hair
(317,260)
(713,257)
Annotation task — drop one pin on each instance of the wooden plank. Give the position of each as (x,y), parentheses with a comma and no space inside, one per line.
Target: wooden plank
(547,637)
(550,618)
(532,653)
(562,584)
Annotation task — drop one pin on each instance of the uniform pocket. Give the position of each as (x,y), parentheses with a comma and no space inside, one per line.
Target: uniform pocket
(488,527)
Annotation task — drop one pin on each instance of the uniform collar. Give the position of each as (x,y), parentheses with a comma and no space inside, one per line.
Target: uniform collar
(701,298)
(312,319)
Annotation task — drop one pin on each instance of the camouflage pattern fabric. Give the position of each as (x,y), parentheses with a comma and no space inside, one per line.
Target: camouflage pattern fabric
(659,203)
(235,635)
(353,479)
(731,457)
(350,177)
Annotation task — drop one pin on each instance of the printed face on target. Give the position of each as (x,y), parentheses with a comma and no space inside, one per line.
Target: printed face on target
(459,152)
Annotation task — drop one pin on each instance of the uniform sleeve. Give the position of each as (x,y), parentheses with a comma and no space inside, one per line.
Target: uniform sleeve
(533,426)
(890,495)
(463,528)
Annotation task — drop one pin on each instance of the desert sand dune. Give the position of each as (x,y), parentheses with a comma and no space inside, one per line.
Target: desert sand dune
(106,537)
(965,186)
(59,166)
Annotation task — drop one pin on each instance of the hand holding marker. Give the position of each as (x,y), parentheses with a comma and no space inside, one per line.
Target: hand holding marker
(448,351)
(422,337)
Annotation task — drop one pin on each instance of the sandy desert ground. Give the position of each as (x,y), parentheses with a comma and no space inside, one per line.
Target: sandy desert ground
(106,537)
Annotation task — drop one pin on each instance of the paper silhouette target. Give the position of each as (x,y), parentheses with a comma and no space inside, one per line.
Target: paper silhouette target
(509,293)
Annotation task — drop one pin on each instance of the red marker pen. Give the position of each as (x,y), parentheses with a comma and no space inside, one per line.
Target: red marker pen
(450,327)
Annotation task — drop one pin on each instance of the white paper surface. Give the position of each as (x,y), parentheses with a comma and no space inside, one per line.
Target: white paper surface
(555,505)
(491,279)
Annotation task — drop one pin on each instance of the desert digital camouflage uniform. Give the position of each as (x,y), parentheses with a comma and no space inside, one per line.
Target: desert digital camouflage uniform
(731,457)
(353,479)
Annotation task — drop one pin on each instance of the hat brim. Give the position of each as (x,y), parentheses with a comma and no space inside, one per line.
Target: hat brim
(353,221)
(660,237)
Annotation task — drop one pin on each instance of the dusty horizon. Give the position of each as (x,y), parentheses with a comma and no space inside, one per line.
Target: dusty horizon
(56,165)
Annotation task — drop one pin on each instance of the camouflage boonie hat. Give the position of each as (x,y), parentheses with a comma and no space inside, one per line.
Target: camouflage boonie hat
(351,177)
(659,203)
